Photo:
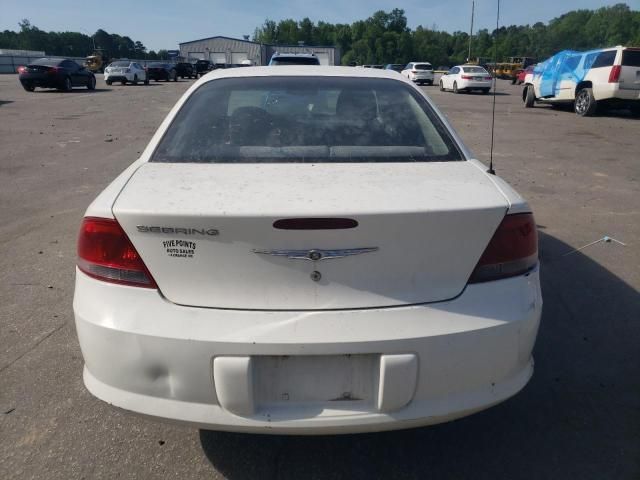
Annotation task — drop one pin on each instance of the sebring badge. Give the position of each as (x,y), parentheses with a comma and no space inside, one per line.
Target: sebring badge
(177,230)
(316,254)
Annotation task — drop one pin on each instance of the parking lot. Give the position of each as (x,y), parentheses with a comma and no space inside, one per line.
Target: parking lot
(579,417)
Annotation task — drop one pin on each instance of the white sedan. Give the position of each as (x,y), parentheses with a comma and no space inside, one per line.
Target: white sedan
(464,78)
(124,71)
(317,254)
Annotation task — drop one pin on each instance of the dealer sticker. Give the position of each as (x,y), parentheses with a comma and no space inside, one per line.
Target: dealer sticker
(180,248)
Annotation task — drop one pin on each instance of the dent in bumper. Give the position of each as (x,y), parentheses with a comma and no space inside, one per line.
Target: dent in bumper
(141,350)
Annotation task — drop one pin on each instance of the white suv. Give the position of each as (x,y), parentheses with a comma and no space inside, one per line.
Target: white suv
(609,76)
(419,72)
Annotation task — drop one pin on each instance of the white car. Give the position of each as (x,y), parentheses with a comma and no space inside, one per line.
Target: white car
(318,254)
(607,76)
(465,78)
(124,71)
(419,72)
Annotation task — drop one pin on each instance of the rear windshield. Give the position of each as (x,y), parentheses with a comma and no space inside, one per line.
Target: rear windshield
(422,66)
(474,70)
(157,65)
(48,62)
(120,64)
(295,61)
(306,119)
(631,58)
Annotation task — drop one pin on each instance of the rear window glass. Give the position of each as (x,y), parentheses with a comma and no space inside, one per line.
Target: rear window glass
(422,66)
(474,70)
(631,58)
(157,65)
(605,59)
(295,61)
(47,61)
(306,119)
(119,64)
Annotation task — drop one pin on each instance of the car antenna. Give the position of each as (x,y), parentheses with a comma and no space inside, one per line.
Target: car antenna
(495,83)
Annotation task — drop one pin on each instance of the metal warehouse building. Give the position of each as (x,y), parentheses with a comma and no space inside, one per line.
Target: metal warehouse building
(234,51)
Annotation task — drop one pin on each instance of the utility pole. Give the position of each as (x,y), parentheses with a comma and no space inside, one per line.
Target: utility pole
(473,7)
(93,40)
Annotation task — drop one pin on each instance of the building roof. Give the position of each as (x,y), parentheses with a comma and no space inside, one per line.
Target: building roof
(220,36)
(257,43)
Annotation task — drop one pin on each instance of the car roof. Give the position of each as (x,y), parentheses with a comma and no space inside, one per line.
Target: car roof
(275,55)
(48,60)
(303,71)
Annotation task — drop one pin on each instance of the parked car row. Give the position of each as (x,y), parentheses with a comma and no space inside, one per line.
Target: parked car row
(64,74)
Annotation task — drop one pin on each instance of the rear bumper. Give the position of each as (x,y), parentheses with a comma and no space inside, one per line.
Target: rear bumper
(421,77)
(119,77)
(615,92)
(43,81)
(155,358)
(470,85)
(157,76)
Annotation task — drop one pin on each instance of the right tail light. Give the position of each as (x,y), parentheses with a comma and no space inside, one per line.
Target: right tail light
(614,74)
(513,250)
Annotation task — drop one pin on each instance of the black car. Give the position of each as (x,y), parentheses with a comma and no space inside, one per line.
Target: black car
(184,69)
(162,71)
(59,73)
(396,67)
(203,66)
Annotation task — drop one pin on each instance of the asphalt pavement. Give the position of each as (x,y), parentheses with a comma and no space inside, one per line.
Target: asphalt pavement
(579,417)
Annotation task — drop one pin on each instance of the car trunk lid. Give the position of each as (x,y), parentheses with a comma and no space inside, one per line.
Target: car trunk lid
(206,232)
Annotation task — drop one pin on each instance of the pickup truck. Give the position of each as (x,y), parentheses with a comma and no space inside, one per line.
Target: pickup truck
(588,80)
(184,69)
(203,66)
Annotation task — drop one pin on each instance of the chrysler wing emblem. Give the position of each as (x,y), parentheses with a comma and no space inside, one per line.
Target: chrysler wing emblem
(316,254)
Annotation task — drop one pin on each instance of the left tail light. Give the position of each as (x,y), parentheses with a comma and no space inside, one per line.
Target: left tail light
(614,74)
(513,250)
(466,77)
(22,69)
(106,253)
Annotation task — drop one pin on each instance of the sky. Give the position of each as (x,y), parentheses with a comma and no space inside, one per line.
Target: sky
(165,23)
